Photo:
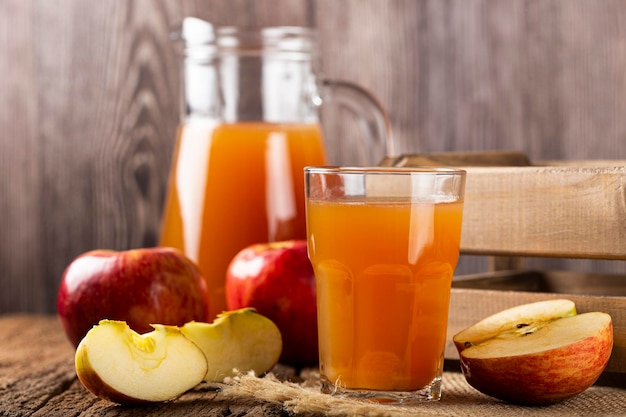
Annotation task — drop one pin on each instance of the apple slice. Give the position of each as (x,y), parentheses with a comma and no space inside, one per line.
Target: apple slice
(536,354)
(516,320)
(117,364)
(237,341)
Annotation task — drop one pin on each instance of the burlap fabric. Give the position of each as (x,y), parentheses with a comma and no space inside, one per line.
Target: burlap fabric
(459,399)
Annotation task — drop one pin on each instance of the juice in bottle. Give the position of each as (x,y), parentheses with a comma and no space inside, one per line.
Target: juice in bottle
(232,185)
(384,272)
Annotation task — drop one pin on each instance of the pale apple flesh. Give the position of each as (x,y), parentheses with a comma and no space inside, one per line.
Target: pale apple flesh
(514,321)
(238,341)
(543,359)
(117,364)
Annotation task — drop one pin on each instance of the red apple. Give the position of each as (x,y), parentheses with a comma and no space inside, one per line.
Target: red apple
(277,280)
(140,286)
(536,354)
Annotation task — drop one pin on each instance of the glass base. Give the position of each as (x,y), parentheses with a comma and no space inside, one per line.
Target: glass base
(431,392)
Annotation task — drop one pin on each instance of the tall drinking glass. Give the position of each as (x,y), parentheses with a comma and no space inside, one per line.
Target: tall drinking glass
(384,243)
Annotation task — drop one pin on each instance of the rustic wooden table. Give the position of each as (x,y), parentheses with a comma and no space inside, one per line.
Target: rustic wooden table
(37,378)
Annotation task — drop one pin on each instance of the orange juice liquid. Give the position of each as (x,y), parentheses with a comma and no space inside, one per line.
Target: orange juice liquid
(383,273)
(232,185)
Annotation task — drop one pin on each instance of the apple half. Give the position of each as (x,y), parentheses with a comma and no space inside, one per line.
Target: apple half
(237,341)
(536,354)
(118,364)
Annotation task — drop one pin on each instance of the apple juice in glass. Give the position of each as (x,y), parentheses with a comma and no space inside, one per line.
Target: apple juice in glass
(250,125)
(384,244)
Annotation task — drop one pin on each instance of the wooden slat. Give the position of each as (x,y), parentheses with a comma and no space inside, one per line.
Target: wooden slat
(476,158)
(570,212)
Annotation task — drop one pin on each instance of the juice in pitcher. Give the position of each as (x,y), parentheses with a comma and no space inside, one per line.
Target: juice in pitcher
(384,271)
(232,185)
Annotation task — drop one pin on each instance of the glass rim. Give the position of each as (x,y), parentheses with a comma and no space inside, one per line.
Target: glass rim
(384,170)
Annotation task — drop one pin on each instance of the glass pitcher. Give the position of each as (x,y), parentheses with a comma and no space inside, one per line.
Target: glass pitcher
(250,125)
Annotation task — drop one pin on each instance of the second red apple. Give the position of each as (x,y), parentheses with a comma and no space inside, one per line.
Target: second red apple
(277,280)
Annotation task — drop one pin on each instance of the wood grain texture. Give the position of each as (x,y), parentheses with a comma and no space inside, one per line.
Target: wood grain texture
(26,385)
(19,165)
(540,77)
(565,212)
(37,379)
(89,103)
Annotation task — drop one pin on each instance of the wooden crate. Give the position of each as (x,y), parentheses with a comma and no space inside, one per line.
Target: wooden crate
(515,209)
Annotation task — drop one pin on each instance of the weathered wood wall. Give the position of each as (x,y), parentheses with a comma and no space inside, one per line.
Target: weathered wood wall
(89,102)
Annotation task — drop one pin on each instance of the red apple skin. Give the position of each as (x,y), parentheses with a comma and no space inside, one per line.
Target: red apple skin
(277,280)
(139,286)
(548,377)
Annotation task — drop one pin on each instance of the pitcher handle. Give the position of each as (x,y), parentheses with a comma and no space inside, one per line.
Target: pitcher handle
(373,118)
